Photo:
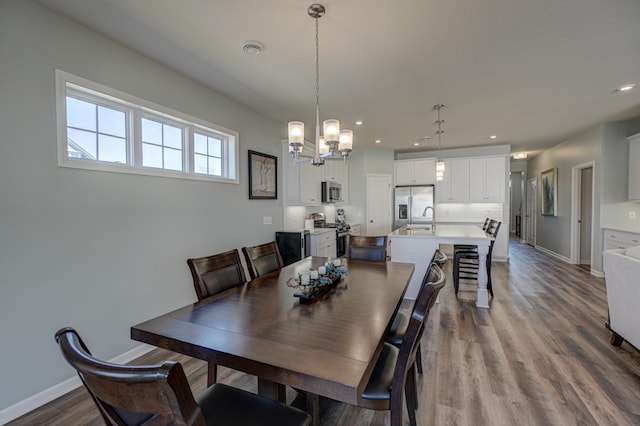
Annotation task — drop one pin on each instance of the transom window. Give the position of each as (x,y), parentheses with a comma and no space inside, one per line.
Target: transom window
(102,129)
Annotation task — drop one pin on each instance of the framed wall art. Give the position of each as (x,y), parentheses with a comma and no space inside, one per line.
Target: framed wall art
(549,179)
(263,176)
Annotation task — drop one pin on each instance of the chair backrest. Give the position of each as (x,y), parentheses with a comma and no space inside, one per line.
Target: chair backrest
(367,248)
(487,221)
(262,259)
(213,274)
(132,395)
(406,357)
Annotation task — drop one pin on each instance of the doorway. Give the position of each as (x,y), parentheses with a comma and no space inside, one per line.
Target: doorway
(582,185)
(530,217)
(516,188)
(379,201)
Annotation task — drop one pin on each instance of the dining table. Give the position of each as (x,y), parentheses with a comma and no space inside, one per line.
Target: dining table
(323,347)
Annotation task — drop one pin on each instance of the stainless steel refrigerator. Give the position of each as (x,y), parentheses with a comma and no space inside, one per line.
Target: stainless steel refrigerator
(413,205)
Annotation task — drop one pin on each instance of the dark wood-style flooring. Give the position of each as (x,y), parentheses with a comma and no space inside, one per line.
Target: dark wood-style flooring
(539,356)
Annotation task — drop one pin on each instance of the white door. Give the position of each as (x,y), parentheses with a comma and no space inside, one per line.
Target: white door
(379,200)
(530,217)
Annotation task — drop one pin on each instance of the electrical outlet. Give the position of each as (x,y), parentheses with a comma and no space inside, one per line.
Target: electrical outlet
(267,220)
(632,215)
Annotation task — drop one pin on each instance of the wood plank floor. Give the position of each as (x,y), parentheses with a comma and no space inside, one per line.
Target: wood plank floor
(539,356)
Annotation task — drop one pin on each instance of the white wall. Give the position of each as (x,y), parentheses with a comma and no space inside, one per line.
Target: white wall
(94,250)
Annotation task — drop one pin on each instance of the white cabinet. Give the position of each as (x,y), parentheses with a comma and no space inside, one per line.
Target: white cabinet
(337,171)
(634,167)
(415,172)
(355,229)
(324,243)
(487,177)
(301,180)
(454,188)
(614,239)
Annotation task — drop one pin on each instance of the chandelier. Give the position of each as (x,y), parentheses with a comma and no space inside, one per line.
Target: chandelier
(333,143)
(439,161)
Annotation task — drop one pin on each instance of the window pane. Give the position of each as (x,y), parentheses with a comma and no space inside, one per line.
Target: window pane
(200,164)
(81,114)
(172,136)
(151,156)
(215,147)
(199,143)
(172,159)
(112,149)
(151,131)
(83,142)
(111,121)
(215,166)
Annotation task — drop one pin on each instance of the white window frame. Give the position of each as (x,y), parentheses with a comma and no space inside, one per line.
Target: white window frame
(137,109)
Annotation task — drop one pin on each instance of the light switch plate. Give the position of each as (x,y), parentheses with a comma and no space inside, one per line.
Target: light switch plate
(267,220)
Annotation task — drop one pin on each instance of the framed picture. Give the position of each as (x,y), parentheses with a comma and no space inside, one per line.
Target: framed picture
(549,180)
(263,176)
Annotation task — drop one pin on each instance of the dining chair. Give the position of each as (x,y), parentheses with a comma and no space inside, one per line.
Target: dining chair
(212,275)
(394,374)
(466,265)
(160,394)
(262,259)
(400,322)
(370,248)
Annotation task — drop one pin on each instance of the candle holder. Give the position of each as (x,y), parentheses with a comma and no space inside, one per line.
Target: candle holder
(313,288)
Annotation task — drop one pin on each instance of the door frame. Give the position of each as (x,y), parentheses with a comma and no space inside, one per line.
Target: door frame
(576,196)
(533,209)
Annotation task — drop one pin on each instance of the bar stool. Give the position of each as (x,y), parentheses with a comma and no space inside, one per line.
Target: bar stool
(465,262)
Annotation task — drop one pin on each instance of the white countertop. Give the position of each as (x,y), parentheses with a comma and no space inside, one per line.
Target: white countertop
(449,232)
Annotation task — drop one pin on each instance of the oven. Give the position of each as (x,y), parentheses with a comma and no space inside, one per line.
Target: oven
(341,242)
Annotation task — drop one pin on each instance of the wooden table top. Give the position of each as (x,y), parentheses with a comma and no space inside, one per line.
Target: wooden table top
(328,347)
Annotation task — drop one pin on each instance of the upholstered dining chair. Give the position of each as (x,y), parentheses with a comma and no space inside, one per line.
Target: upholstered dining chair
(160,394)
(212,275)
(393,376)
(370,248)
(465,262)
(262,259)
(400,322)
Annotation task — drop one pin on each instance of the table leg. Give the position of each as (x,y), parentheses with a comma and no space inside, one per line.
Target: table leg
(272,390)
(482,300)
(313,407)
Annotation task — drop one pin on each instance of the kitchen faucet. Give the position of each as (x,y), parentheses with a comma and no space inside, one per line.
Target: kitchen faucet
(433,216)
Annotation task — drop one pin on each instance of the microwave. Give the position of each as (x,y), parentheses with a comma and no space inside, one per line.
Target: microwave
(331,192)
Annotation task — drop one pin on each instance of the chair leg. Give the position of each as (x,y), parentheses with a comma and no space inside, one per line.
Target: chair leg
(419,359)
(456,273)
(489,286)
(411,396)
(212,373)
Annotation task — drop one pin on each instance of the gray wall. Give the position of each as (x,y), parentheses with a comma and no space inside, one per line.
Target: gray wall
(95,250)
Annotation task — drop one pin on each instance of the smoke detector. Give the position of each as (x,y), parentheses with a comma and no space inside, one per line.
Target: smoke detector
(252,47)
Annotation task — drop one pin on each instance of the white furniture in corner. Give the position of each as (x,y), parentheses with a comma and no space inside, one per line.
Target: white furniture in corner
(623,295)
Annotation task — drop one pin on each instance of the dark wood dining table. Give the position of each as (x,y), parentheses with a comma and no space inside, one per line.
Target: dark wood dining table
(328,347)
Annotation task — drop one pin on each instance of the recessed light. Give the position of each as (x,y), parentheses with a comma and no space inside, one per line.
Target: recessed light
(359,123)
(519,155)
(378,141)
(425,138)
(252,47)
(416,144)
(626,87)
(493,137)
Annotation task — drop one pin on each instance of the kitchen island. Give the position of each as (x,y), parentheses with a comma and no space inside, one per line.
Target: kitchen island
(417,244)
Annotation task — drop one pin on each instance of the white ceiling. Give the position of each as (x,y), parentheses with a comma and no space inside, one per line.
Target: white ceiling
(534,73)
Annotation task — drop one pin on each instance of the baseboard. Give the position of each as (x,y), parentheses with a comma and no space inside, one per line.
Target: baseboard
(554,254)
(598,274)
(56,391)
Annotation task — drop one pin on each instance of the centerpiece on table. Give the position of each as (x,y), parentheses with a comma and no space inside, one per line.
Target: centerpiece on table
(317,282)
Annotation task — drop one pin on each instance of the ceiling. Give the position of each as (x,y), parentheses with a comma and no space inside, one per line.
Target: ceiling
(533,73)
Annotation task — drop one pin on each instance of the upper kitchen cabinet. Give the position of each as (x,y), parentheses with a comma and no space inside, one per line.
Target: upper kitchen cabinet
(337,171)
(415,172)
(487,177)
(454,188)
(301,180)
(634,169)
